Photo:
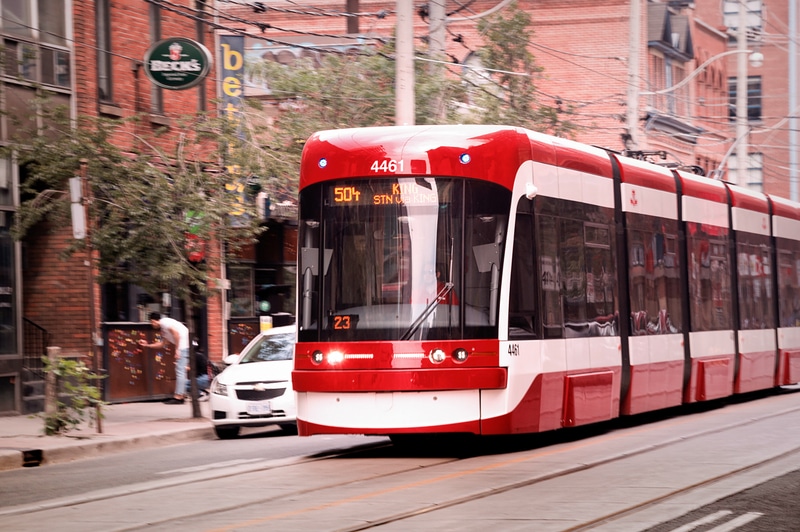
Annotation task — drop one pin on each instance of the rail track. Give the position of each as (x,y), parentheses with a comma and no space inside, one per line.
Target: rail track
(630,474)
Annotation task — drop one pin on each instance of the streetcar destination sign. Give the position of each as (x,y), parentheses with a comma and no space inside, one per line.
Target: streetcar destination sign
(177,63)
(382,193)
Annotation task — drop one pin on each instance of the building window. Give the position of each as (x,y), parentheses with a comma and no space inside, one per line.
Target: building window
(8,287)
(754,17)
(665,73)
(755,171)
(753,98)
(34,47)
(104,79)
(48,26)
(241,293)
(17,18)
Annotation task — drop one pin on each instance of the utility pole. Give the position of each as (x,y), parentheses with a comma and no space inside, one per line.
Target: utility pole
(404,84)
(742,162)
(793,108)
(437,18)
(634,42)
(93,336)
(436,34)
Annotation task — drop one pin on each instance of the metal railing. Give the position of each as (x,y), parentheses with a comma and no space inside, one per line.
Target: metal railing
(34,349)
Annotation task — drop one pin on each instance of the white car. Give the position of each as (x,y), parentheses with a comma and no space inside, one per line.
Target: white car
(256,389)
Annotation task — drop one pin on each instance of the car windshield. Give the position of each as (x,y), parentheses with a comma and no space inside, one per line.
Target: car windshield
(273,347)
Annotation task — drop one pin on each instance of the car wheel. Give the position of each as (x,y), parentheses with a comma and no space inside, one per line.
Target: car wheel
(289,428)
(226,433)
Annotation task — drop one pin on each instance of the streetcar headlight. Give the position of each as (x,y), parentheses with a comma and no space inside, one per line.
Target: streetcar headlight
(317,357)
(335,357)
(464,158)
(437,356)
(460,354)
(322,163)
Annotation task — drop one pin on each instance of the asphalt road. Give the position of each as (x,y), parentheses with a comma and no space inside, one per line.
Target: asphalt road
(771,506)
(254,448)
(730,467)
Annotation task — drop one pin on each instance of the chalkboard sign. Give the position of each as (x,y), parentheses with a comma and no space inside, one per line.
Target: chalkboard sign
(136,372)
(240,332)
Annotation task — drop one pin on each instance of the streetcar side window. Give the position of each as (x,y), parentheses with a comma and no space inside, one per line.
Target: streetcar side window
(754,274)
(550,276)
(485,226)
(789,282)
(653,275)
(522,316)
(710,303)
(309,263)
(575,244)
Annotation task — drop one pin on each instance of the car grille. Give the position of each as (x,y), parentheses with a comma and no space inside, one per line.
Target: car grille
(259,395)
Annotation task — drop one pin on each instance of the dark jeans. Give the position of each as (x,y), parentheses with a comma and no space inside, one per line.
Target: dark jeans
(203,383)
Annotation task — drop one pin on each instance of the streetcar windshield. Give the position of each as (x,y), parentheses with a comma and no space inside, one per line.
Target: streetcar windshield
(400,259)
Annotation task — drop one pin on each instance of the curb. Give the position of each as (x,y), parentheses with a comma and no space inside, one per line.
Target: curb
(92,448)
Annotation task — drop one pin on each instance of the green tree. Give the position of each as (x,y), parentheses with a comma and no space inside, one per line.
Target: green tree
(144,199)
(151,195)
(507,93)
(358,90)
(342,91)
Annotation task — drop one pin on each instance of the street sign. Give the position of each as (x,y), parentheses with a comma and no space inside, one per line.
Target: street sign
(177,63)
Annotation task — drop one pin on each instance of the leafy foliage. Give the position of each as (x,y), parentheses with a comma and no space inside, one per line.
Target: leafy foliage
(74,380)
(343,91)
(146,199)
(358,90)
(162,186)
(509,96)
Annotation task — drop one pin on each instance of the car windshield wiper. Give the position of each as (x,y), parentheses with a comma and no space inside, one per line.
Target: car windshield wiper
(446,289)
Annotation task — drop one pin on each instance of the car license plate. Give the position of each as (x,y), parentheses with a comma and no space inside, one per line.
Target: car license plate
(259,409)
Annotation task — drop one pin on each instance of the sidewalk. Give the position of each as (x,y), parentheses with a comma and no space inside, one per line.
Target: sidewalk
(126,426)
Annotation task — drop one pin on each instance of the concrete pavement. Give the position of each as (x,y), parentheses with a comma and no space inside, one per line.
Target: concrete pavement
(125,426)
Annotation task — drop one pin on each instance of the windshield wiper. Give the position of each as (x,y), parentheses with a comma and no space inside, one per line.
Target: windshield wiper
(446,289)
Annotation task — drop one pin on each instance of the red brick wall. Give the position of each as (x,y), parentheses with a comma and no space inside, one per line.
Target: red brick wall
(55,291)
(583,47)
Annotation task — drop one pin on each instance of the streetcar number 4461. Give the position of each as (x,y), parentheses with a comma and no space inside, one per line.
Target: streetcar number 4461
(387,165)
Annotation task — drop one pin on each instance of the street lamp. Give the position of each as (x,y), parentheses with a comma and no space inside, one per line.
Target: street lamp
(755,58)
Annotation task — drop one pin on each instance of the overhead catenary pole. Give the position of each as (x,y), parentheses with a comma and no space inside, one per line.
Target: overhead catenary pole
(633,74)
(437,15)
(404,83)
(742,162)
(93,337)
(793,108)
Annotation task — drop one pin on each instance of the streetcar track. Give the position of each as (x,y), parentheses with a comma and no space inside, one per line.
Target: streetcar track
(563,439)
(614,516)
(166,483)
(441,505)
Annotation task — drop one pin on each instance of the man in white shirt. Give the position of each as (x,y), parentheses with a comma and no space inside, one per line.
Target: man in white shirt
(177,334)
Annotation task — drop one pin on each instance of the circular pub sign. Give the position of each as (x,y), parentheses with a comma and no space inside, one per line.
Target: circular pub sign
(177,63)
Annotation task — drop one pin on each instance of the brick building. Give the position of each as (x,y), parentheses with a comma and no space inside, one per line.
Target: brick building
(769,144)
(583,47)
(90,60)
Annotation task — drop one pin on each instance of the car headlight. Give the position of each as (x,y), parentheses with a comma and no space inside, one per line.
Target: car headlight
(219,388)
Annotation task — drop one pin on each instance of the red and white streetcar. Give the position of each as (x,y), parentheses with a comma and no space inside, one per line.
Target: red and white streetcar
(494,280)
